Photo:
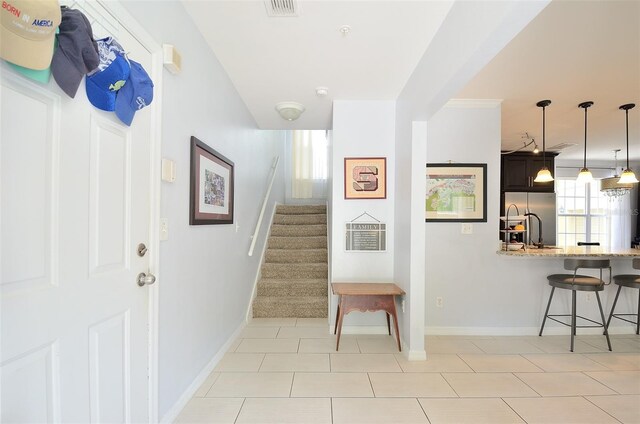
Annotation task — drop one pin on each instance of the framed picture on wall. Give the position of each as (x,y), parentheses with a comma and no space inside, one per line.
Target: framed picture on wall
(456,192)
(365,178)
(211,200)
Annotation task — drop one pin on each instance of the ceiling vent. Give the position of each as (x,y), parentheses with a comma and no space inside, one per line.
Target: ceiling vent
(282,8)
(561,146)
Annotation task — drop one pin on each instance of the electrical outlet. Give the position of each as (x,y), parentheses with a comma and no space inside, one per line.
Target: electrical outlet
(439,302)
(466,228)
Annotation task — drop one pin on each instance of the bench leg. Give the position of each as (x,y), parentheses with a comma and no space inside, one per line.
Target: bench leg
(388,323)
(395,322)
(339,323)
(335,330)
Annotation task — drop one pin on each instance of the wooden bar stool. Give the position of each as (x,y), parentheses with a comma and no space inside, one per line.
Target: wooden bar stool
(631,281)
(576,282)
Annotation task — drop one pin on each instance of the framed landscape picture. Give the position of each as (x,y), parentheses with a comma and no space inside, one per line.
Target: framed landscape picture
(365,178)
(456,192)
(211,200)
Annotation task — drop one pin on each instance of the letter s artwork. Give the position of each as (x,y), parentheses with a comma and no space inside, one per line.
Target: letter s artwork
(364,178)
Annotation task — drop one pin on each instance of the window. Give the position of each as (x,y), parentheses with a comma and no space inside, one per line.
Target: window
(583,213)
(309,168)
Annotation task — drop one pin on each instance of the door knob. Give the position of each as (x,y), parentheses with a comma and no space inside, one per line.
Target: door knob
(145,279)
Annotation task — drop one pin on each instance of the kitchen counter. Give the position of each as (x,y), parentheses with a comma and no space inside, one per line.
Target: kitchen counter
(582,251)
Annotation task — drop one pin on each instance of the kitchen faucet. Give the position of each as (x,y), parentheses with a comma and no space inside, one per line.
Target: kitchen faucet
(540,243)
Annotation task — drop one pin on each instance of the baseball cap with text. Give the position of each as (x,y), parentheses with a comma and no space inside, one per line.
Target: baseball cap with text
(135,94)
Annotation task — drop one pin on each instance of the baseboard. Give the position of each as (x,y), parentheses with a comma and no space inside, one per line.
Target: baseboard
(182,401)
(519,331)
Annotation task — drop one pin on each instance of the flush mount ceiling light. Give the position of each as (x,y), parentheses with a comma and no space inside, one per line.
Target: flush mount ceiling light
(585,175)
(611,187)
(628,177)
(290,110)
(345,30)
(544,175)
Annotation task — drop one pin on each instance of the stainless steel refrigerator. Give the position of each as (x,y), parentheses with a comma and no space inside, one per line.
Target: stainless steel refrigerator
(543,205)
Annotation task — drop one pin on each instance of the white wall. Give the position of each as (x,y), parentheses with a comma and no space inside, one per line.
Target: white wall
(483,292)
(361,129)
(206,277)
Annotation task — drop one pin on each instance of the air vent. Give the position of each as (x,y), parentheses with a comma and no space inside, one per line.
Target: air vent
(282,8)
(561,146)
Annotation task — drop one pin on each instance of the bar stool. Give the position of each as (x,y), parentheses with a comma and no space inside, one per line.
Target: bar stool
(631,281)
(576,282)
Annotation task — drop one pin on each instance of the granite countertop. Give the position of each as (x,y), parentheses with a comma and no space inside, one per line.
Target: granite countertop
(583,251)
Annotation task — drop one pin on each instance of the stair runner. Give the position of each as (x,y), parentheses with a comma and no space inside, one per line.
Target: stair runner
(294,275)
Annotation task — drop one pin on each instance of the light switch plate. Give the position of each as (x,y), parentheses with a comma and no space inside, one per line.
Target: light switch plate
(466,228)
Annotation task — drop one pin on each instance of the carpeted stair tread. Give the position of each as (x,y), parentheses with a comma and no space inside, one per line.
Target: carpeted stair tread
(306,219)
(296,256)
(294,271)
(314,242)
(292,288)
(299,230)
(301,209)
(286,307)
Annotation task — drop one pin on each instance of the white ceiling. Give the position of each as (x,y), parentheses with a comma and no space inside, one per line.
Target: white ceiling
(279,59)
(570,53)
(573,51)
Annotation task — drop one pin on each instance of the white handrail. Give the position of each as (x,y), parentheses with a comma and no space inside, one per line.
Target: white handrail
(254,237)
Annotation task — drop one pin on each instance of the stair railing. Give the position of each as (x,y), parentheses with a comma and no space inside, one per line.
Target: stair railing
(254,237)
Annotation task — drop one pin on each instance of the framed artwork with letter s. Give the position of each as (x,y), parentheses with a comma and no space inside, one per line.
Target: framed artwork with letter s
(456,192)
(365,178)
(211,200)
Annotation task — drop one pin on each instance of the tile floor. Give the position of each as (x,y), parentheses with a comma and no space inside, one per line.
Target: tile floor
(287,371)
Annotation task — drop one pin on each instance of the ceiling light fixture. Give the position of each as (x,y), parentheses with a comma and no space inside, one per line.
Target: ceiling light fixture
(544,175)
(322,91)
(611,186)
(585,175)
(628,177)
(345,30)
(290,110)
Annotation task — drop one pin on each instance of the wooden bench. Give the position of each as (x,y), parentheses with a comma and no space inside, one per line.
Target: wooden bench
(365,297)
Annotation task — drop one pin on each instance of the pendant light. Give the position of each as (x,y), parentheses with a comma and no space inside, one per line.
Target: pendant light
(611,186)
(585,175)
(627,177)
(544,175)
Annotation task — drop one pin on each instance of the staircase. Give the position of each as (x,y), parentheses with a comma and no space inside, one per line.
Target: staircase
(294,274)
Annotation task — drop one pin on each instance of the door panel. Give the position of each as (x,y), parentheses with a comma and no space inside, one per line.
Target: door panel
(75,204)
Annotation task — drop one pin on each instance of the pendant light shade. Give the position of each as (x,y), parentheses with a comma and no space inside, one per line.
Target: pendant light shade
(627,177)
(585,175)
(544,175)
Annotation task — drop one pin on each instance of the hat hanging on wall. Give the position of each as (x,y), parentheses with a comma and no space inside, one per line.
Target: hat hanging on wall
(27,31)
(77,52)
(135,94)
(111,75)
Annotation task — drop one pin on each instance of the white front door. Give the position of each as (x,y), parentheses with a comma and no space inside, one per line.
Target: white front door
(75,205)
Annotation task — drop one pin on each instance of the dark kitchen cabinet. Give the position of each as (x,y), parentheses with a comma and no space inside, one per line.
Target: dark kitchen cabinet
(518,170)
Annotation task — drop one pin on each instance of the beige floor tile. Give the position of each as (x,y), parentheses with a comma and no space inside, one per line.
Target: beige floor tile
(312,322)
(377,411)
(240,362)
(488,385)
(210,410)
(623,382)
(296,362)
(268,346)
(561,344)
(259,333)
(433,345)
(272,322)
(252,384)
(436,362)
(331,385)
(285,411)
(506,345)
(234,345)
(563,410)
(348,344)
(559,362)
(410,385)
(622,407)
(378,344)
(364,362)
(469,411)
(617,362)
(204,387)
(564,384)
(304,333)
(618,344)
(498,363)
